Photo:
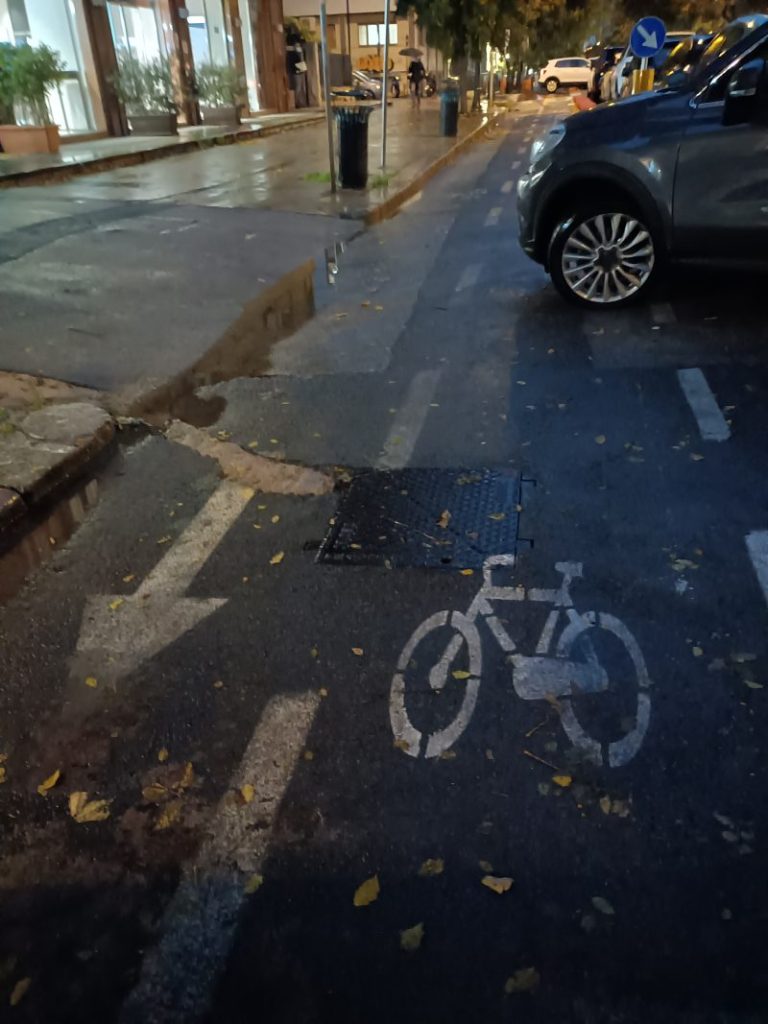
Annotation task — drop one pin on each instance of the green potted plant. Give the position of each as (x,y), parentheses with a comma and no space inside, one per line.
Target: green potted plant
(146,91)
(7,51)
(219,89)
(29,73)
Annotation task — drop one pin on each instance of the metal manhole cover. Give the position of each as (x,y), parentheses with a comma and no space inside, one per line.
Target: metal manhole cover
(429,518)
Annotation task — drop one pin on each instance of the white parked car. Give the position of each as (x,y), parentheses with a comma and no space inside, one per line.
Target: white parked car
(566,71)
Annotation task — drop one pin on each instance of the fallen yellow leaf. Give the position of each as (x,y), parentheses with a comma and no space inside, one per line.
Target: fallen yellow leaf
(162,754)
(187,778)
(486,866)
(467,572)
(129,578)
(84,810)
(49,783)
(526,979)
(410,938)
(358,651)
(401,745)
(605,804)
(460,673)
(155,792)
(379,309)
(114,605)
(323,692)
(20,989)
(753,685)
(277,559)
(696,457)
(600,439)
(367,892)
(168,816)
(309,755)
(697,652)
(498,885)
(275,519)
(254,882)
(253,444)
(247,792)
(497,516)
(563,781)
(444,520)
(219,684)
(431,867)
(601,903)
(91,681)
(3,776)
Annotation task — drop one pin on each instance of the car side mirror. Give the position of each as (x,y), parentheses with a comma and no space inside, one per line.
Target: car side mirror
(746,98)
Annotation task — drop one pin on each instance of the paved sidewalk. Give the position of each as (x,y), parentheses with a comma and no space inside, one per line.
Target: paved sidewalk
(81,157)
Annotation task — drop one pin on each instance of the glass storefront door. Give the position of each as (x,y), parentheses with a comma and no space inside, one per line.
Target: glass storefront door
(136,30)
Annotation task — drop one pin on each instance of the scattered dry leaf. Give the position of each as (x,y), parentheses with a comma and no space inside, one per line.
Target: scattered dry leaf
(20,989)
(254,882)
(323,691)
(498,885)
(697,652)
(601,903)
(486,866)
(696,457)
(600,439)
(410,938)
(497,516)
(155,792)
(444,520)
(277,559)
(432,866)
(3,775)
(753,685)
(275,519)
(526,979)
(367,892)
(467,572)
(401,745)
(247,792)
(309,755)
(91,681)
(460,673)
(84,810)
(168,816)
(162,754)
(219,684)
(49,783)
(114,605)
(358,651)
(564,781)
(129,577)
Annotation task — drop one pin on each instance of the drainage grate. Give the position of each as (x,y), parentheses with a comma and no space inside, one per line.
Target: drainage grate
(430,518)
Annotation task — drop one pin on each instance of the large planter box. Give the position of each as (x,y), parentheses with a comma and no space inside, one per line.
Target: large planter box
(228,116)
(153,124)
(19,139)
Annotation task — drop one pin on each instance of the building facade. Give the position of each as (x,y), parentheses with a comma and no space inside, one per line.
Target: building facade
(91,35)
(356,27)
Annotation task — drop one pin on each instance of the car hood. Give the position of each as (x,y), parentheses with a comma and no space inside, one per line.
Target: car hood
(626,114)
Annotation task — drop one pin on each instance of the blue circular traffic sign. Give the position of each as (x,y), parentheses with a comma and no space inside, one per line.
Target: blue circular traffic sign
(648,37)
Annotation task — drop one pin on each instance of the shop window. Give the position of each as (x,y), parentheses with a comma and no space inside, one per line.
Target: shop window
(374,35)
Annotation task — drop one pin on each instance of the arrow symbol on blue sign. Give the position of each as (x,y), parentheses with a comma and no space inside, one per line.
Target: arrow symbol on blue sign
(649,38)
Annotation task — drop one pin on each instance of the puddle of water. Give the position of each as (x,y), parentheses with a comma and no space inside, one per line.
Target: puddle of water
(38,544)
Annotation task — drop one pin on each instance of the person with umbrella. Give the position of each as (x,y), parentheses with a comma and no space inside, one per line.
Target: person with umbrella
(416,74)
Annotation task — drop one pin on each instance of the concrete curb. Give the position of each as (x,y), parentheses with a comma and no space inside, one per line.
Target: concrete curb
(391,205)
(63,172)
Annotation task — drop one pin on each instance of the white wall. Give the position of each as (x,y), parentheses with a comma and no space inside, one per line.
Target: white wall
(309,8)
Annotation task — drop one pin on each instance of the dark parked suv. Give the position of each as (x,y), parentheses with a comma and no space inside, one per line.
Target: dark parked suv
(612,193)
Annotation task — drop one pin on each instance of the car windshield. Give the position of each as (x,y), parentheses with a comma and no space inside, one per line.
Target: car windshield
(720,43)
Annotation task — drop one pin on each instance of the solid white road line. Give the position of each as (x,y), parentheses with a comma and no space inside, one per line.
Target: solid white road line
(178,975)
(703,405)
(757,545)
(469,277)
(507,187)
(493,217)
(409,421)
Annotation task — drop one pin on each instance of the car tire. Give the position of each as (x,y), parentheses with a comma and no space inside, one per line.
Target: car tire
(625,262)
(552,85)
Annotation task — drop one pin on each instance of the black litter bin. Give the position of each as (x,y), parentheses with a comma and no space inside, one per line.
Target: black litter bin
(352,119)
(449,110)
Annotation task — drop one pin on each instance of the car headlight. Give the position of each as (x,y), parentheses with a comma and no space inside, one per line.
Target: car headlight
(546,143)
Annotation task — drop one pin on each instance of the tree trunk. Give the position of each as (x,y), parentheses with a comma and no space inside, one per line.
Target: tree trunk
(459,68)
(476,87)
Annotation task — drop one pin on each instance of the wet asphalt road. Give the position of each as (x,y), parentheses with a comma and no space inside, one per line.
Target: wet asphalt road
(631,819)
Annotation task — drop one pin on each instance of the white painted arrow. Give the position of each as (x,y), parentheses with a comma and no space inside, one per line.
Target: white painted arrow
(649,38)
(115,640)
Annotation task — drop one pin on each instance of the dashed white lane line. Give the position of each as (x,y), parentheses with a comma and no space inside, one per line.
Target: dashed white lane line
(469,277)
(507,187)
(409,420)
(179,974)
(493,217)
(515,164)
(757,545)
(703,403)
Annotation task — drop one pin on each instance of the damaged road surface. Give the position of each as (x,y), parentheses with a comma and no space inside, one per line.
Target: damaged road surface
(426,683)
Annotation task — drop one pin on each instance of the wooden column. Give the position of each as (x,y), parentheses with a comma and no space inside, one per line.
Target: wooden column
(232,18)
(181,60)
(267,18)
(105,63)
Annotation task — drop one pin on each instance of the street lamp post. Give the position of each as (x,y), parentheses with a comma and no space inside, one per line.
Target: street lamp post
(385,87)
(327,91)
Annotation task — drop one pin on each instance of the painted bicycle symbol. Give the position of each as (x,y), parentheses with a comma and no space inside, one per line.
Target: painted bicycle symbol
(563,668)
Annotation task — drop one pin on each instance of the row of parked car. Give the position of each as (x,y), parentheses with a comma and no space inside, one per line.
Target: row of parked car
(612,195)
(608,76)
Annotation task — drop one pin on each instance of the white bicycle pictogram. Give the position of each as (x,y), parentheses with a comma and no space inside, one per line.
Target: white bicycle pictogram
(550,673)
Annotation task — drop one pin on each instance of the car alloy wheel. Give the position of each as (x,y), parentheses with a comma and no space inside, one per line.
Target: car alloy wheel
(551,85)
(607,258)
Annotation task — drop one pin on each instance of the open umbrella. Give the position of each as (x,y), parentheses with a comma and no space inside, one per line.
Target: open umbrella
(411,51)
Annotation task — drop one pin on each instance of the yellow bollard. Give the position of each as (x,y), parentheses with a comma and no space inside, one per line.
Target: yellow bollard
(642,81)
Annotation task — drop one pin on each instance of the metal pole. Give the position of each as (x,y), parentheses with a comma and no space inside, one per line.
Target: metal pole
(327,92)
(385,87)
(349,38)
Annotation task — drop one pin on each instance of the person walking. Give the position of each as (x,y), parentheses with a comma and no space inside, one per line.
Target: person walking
(416,75)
